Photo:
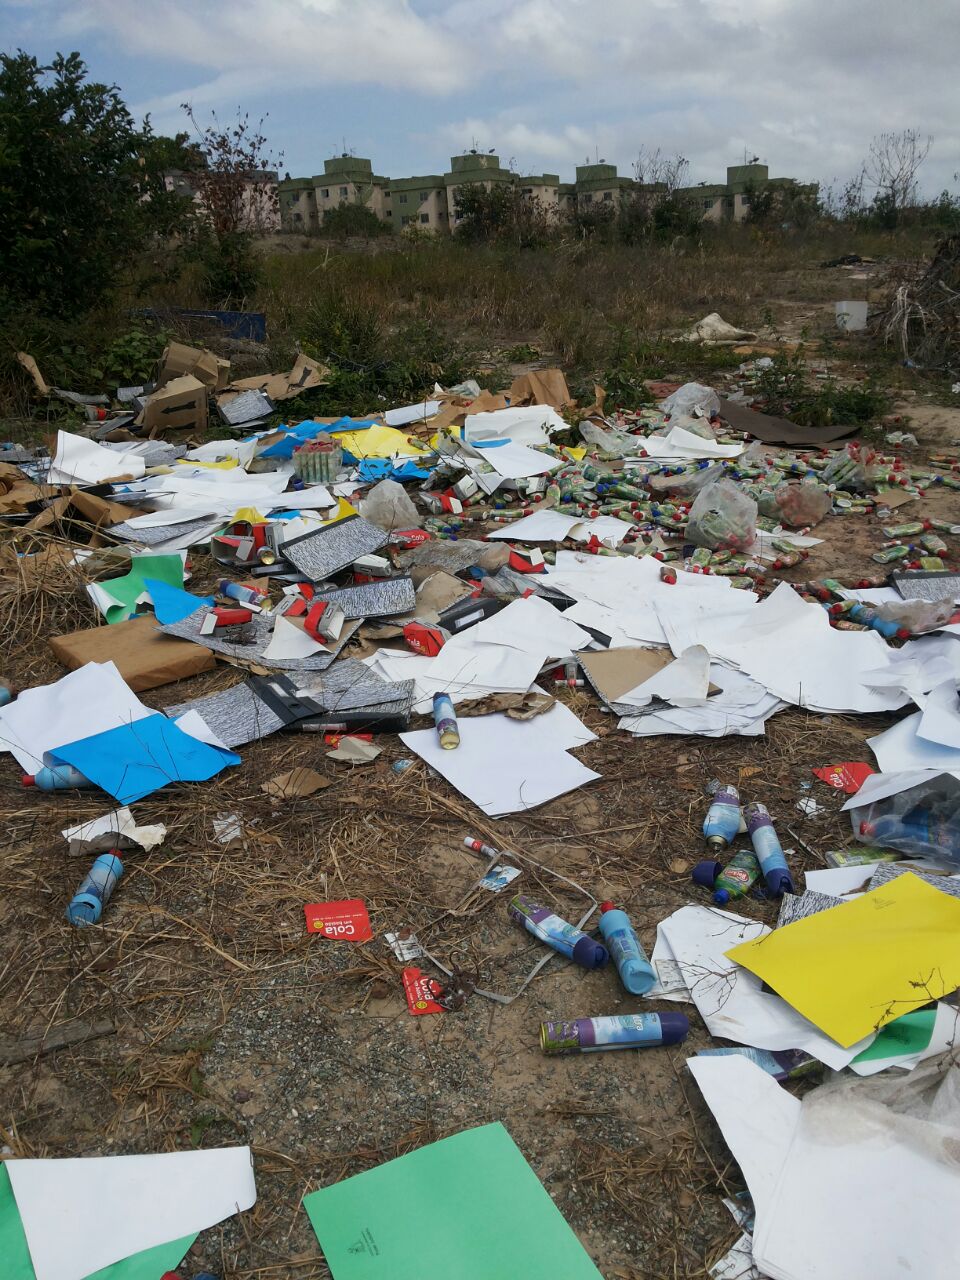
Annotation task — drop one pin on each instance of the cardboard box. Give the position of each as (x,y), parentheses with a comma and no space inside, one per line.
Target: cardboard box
(144,656)
(304,375)
(178,359)
(181,404)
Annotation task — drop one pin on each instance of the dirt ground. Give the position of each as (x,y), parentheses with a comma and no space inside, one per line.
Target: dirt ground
(231,1025)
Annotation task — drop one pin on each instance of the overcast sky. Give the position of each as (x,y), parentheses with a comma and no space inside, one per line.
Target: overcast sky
(803,84)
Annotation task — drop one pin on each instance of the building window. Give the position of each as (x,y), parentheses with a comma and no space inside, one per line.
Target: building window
(708,204)
(389,213)
(424,195)
(424,217)
(404,221)
(343,193)
(608,195)
(403,198)
(588,198)
(528,191)
(386,195)
(325,193)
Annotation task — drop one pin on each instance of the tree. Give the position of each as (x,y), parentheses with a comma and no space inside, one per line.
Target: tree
(73,173)
(891,167)
(351,219)
(502,214)
(236,185)
(657,206)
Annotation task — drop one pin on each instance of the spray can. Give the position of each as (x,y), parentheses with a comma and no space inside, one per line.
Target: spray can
(737,877)
(445,718)
(557,933)
(636,971)
(95,890)
(723,817)
(57,777)
(7,694)
(891,554)
(630,1031)
(766,846)
(246,595)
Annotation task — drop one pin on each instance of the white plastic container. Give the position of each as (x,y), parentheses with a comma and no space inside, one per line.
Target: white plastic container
(851,315)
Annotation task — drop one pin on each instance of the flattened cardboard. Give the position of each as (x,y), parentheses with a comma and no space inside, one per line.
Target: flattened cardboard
(304,375)
(541,386)
(772,430)
(181,404)
(144,656)
(614,672)
(179,359)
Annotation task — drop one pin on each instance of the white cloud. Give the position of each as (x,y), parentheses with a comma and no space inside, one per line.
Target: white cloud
(803,83)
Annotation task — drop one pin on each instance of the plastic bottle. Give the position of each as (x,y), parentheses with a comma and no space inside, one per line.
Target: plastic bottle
(445,718)
(246,595)
(921,832)
(631,1031)
(766,846)
(557,933)
(95,890)
(722,822)
(636,971)
(737,877)
(57,777)
(6,694)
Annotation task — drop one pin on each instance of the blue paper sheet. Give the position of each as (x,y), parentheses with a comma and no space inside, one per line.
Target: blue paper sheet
(137,759)
(294,437)
(172,604)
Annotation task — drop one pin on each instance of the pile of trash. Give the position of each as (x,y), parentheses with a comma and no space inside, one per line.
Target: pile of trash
(444,572)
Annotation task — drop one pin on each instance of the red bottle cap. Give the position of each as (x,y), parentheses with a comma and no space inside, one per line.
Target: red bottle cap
(607,906)
(29,779)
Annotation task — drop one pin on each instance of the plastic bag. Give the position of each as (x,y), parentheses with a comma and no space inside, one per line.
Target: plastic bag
(723,517)
(613,443)
(917,616)
(799,505)
(696,426)
(687,485)
(388,506)
(689,397)
(846,470)
(923,821)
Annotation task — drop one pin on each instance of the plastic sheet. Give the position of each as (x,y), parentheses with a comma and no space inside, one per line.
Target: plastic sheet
(722,516)
(923,821)
(689,397)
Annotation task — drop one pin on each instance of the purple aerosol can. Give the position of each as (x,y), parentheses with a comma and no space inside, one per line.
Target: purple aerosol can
(629,1031)
(722,822)
(766,845)
(558,933)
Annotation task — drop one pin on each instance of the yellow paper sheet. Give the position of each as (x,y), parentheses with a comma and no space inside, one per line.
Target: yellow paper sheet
(854,968)
(377,442)
(225,464)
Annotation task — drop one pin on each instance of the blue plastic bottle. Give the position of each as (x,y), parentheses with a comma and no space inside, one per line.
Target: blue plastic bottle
(57,777)
(95,889)
(6,694)
(920,833)
(636,971)
(558,933)
(766,846)
(722,822)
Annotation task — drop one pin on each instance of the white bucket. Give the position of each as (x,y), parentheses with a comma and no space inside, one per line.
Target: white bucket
(851,315)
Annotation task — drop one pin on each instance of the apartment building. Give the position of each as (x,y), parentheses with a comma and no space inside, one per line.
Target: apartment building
(261,212)
(429,201)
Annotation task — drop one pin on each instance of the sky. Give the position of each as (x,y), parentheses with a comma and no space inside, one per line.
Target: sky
(548,84)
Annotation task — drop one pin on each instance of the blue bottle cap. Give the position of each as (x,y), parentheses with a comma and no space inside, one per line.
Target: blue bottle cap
(705,874)
(779,882)
(589,954)
(85,908)
(674,1027)
(722,896)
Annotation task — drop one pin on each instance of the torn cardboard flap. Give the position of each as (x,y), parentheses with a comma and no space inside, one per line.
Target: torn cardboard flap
(178,359)
(542,386)
(180,405)
(304,375)
(614,672)
(295,785)
(771,430)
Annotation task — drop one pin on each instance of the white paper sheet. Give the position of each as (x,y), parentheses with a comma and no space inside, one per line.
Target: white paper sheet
(940,721)
(838,881)
(683,683)
(742,707)
(80,1215)
(289,642)
(77,460)
(90,700)
(534,626)
(730,999)
(115,830)
(506,766)
(899,749)
(683,446)
(542,526)
(405,414)
(530,424)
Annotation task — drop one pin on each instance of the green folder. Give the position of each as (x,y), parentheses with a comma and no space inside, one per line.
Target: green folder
(15,1261)
(465,1208)
(126,590)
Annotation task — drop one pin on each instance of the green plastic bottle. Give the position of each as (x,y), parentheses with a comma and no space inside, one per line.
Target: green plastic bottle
(737,877)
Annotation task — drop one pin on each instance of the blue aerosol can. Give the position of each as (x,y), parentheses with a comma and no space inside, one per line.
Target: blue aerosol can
(766,845)
(57,777)
(722,822)
(7,694)
(636,971)
(557,933)
(95,890)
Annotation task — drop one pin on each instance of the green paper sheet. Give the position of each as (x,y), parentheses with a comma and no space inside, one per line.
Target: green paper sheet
(468,1208)
(15,1261)
(901,1038)
(126,590)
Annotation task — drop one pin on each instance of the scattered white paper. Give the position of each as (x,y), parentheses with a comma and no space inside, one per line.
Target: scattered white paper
(81,1215)
(77,460)
(940,721)
(90,700)
(408,413)
(530,424)
(115,830)
(289,642)
(683,683)
(900,749)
